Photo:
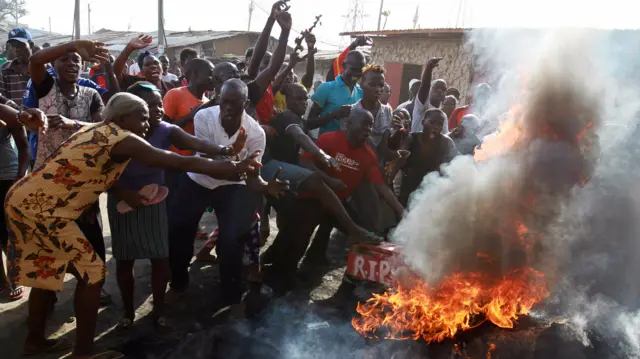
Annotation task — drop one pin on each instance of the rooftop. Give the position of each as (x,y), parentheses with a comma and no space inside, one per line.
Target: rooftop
(117,40)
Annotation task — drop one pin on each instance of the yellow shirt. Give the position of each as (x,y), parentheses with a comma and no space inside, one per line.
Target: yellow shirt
(280,101)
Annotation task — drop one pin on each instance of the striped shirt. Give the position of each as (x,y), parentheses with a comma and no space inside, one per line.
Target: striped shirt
(13,83)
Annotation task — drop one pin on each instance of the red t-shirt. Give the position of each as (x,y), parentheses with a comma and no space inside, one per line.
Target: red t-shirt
(356,164)
(457,115)
(264,108)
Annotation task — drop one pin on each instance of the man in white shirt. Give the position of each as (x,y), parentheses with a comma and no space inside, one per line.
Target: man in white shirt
(134,68)
(235,203)
(430,95)
(166,75)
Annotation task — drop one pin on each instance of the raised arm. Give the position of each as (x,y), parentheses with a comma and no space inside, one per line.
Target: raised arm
(113,86)
(140,150)
(336,69)
(263,41)
(267,75)
(294,59)
(307,78)
(89,50)
(137,43)
(427,76)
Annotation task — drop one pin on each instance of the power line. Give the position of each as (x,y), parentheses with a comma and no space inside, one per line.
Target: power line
(292,29)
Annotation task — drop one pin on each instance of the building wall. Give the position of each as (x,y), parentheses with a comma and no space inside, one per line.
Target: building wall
(455,68)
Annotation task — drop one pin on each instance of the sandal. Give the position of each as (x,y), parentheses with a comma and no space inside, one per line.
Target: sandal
(16,294)
(50,346)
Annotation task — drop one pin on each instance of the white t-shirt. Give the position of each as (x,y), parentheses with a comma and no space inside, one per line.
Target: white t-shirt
(169,77)
(316,132)
(419,109)
(134,70)
(208,127)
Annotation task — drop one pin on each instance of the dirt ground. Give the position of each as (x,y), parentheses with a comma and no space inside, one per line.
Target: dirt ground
(191,315)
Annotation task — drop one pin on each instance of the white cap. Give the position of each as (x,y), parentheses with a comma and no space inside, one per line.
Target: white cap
(412,82)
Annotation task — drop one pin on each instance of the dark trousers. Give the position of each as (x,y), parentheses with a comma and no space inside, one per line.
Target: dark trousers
(235,207)
(293,238)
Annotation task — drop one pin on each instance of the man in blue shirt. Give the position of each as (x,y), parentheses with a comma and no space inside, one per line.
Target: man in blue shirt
(332,101)
(29,100)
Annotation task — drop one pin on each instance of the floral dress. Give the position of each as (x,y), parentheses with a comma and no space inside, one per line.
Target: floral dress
(41,209)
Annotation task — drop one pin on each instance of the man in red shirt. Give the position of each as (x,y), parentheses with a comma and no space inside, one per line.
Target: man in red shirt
(358,163)
(477,107)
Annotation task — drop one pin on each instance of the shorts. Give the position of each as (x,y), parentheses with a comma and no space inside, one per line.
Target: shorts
(296,175)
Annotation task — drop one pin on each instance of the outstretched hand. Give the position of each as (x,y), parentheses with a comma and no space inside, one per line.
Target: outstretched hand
(433,62)
(92,51)
(276,187)
(249,165)
(140,42)
(279,6)
(284,20)
(34,119)
(238,145)
(363,41)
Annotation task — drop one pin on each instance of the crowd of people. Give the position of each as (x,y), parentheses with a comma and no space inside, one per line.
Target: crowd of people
(239,139)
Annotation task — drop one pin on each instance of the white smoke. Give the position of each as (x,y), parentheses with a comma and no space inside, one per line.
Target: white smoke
(586,238)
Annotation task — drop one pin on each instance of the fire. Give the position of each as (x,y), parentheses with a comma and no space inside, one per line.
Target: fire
(461,302)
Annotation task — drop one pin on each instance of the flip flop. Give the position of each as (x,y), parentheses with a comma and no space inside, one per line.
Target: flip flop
(51,346)
(16,294)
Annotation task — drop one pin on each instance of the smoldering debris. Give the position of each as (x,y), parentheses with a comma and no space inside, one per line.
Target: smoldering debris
(585,238)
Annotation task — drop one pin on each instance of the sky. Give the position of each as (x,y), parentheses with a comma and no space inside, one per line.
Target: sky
(141,15)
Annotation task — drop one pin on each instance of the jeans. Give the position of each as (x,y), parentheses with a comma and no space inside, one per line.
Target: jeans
(235,207)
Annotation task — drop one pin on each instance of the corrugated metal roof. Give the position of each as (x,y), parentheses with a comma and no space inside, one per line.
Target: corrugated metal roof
(117,39)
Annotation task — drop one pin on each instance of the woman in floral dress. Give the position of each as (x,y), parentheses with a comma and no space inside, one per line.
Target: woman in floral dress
(45,242)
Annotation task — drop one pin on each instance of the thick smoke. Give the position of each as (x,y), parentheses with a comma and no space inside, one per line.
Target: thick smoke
(585,239)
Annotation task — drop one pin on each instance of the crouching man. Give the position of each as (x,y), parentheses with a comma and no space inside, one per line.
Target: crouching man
(358,163)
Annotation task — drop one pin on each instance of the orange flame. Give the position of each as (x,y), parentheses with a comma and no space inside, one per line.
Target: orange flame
(435,314)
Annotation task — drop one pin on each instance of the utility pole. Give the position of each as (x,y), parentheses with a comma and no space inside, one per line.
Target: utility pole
(355,15)
(252,6)
(50,25)
(161,38)
(416,17)
(380,14)
(89,18)
(76,20)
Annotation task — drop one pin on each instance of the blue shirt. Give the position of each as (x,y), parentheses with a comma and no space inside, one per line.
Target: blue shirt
(29,100)
(331,96)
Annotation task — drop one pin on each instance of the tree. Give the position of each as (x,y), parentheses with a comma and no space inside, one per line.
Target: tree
(14,9)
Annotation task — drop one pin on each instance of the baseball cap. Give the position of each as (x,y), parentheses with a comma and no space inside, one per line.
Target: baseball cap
(412,82)
(20,34)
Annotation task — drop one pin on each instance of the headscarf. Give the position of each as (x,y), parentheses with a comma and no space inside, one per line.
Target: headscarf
(122,104)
